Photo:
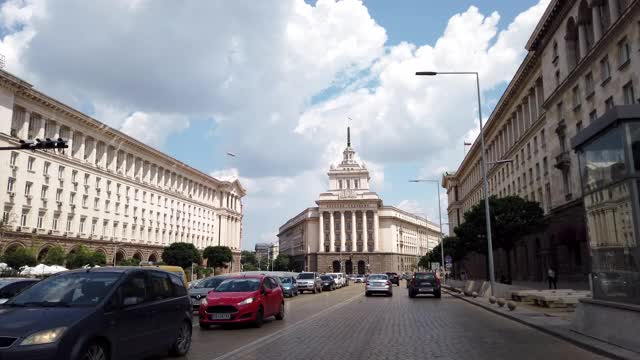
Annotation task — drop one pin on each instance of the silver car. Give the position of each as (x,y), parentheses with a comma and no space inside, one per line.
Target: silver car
(378,283)
(200,290)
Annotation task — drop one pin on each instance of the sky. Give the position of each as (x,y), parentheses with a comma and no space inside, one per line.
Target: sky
(275,82)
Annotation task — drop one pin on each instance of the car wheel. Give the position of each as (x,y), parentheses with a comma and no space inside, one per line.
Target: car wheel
(280,314)
(437,295)
(259,318)
(411,294)
(367,294)
(96,351)
(315,290)
(390,293)
(183,341)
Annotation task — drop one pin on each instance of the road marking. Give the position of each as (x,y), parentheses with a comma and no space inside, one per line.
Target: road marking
(274,336)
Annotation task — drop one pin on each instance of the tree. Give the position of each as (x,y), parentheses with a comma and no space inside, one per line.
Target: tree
(512,217)
(55,256)
(181,254)
(84,256)
(452,247)
(20,257)
(424,262)
(249,267)
(217,256)
(282,263)
(248,259)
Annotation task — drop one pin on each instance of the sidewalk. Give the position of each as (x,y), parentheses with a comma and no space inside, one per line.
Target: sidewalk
(551,324)
(543,285)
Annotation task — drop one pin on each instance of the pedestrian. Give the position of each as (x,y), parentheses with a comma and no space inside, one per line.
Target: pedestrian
(552,278)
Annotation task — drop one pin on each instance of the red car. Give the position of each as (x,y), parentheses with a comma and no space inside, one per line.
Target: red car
(242,299)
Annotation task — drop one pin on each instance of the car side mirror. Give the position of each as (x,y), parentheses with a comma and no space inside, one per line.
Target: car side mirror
(130,301)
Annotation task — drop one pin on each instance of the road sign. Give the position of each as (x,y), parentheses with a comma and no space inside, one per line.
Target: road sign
(448,266)
(448,259)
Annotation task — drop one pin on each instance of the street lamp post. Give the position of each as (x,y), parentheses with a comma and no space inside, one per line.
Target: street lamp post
(439,216)
(483,165)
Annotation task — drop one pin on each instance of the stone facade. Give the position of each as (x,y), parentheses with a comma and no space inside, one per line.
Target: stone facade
(582,60)
(107,190)
(352,227)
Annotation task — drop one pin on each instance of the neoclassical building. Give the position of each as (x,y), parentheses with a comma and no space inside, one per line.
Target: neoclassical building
(107,191)
(582,63)
(352,227)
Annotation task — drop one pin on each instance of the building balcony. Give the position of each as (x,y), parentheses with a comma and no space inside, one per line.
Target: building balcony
(563,160)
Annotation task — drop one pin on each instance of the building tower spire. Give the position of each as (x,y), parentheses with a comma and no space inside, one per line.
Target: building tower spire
(348,136)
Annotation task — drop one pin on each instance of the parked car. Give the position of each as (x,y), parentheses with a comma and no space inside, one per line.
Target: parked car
(339,278)
(105,313)
(202,288)
(289,285)
(393,277)
(247,298)
(176,270)
(360,278)
(425,283)
(328,282)
(10,287)
(378,283)
(309,281)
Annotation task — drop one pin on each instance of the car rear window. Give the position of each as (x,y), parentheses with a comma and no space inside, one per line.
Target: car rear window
(425,277)
(326,277)
(378,277)
(305,276)
(285,280)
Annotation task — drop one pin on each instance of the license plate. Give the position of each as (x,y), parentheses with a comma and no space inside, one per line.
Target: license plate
(220,316)
(426,289)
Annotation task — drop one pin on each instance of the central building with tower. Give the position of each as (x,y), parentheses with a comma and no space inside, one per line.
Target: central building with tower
(352,231)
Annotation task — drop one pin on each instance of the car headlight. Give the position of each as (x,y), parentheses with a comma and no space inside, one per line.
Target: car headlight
(204,302)
(246,301)
(44,337)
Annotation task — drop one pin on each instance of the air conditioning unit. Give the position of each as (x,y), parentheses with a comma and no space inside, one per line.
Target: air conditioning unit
(12,194)
(59,203)
(13,167)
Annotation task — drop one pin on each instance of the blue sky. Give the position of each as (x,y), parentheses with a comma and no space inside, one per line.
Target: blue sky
(274,82)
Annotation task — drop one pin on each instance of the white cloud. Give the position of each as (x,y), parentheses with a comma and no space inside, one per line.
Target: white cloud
(411,206)
(153,129)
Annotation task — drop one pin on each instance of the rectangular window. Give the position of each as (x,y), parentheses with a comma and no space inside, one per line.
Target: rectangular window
(23,219)
(86,179)
(40,221)
(43,192)
(578,126)
(81,226)
(72,198)
(535,144)
(74,175)
(84,200)
(59,195)
(543,140)
(339,184)
(55,223)
(14,159)
(528,150)
(60,172)
(11,183)
(537,170)
(98,182)
(45,169)
(545,165)
(557,76)
(576,97)
(593,116)
(588,84)
(27,188)
(356,184)
(605,69)
(30,163)
(608,104)
(629,96)
(95,203)
(68,227)
(624,52)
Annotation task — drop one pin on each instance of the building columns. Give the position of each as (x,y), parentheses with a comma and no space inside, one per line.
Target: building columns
(343,236)
(332,233)
(24,130)
(376,242)
(354,234)
(365,235)
(582,39)
(613,9)
(321,237)
(597,23)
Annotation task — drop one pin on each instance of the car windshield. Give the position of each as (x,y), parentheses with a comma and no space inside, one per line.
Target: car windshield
(326,277)
(74,289)
(333,276)
(378,277)
(239,285)
(424,277)
(305,276)
(209,283)
(285,280)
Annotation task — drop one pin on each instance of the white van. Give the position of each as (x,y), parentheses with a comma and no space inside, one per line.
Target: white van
(340,279)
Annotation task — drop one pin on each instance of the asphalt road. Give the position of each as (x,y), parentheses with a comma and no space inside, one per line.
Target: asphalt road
(344,324)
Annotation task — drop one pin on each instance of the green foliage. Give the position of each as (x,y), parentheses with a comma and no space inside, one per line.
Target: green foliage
(512,217)
(282,263)
(129,262)
(84,256)
(19,258)
(248,258)
(55,256)
(453,247)
(217,256)
(424,262)
(181,254)
(249,267)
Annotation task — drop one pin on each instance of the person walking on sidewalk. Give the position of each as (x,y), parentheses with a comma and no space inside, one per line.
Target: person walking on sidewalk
(553,278)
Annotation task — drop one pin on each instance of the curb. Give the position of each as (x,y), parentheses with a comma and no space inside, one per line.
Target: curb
(629,355)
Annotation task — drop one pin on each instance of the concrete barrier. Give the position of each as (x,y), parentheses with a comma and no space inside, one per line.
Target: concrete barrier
(483,288)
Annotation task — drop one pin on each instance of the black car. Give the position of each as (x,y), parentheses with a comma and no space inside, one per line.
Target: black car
(394,278)
(101,313)
(425,283)
(327,282)
(10,287)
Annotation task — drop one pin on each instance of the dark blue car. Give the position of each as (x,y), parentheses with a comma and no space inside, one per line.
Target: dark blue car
(103,313)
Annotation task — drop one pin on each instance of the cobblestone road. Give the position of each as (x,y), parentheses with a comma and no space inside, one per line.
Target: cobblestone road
(346,325)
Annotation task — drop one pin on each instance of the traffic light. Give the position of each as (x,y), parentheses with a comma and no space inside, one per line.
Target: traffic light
(43,144)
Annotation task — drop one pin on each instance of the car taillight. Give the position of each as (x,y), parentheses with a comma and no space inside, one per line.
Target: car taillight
(388,282)
(438,281)
(367,283)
